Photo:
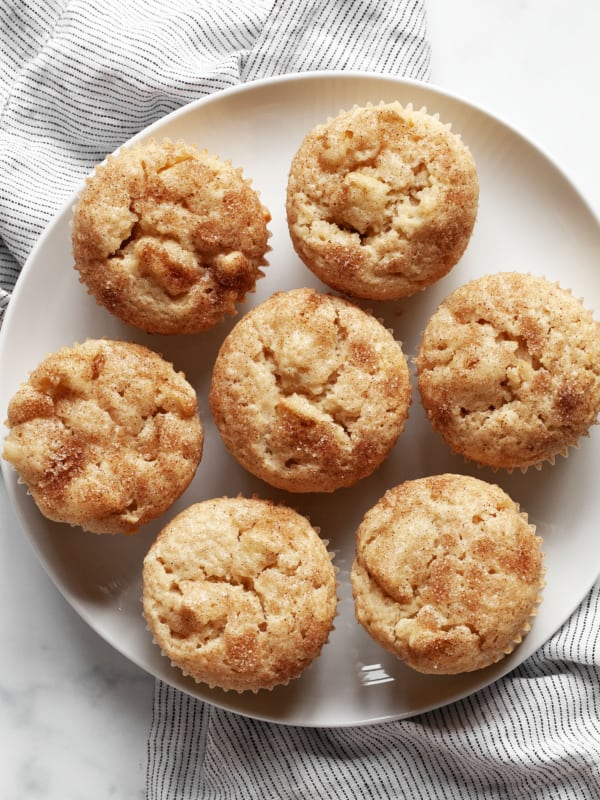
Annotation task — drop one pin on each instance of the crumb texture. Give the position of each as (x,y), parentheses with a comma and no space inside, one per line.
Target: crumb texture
(168,237)
(310,392)
(448,573)
(239,593)
(105,434)
(509,370)
(382,200)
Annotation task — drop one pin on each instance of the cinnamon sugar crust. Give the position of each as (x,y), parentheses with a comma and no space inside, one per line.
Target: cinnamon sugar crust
(105,434)
(240,593)
(509,370)
(310,392)
(382,200)
(168,237)
(448,573)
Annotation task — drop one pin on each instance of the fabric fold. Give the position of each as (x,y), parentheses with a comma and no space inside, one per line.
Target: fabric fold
(535,733)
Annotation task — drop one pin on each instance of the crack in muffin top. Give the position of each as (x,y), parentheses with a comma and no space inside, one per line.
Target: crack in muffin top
(168,237)
(447,574)
(310,392)
(105,434)
(381,200)
(509,370)
(240,593)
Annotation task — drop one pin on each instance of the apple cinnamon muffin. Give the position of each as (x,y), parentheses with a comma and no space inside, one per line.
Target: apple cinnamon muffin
(168,237)
(240,593)
(509,370)
(448,573)
(382,200)
(105,434)
(309,392)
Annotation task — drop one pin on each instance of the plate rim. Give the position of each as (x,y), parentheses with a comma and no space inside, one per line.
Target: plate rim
(190,107)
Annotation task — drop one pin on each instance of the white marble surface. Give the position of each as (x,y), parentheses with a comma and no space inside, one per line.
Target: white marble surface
(74,715)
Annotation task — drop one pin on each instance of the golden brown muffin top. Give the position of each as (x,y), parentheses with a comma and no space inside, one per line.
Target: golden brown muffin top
(381,200)
(240,593)
(448,573)
(105,434)
(310,392)
(168,237)
(509,370)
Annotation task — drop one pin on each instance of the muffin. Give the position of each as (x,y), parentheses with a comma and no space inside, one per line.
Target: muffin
(509,370)
(169,238)
(239,593)
(381,200)
(105,434)
(310,392)
(447,574)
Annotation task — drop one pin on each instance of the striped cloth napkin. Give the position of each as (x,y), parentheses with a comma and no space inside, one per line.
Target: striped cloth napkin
(79,78)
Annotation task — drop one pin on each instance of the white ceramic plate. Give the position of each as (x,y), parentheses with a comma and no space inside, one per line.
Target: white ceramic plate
(530,219)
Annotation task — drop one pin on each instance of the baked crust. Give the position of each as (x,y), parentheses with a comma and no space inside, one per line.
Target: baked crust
(239,593)
(509,370)
(448,573)
(105,434)
(310,392)
(169,238)
(381,200)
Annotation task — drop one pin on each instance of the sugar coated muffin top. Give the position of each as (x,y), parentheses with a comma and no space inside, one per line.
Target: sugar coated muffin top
(310,392)
(382,200)
(448,573)
(105,434)
(240,593)
(168,237)
(509,370)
